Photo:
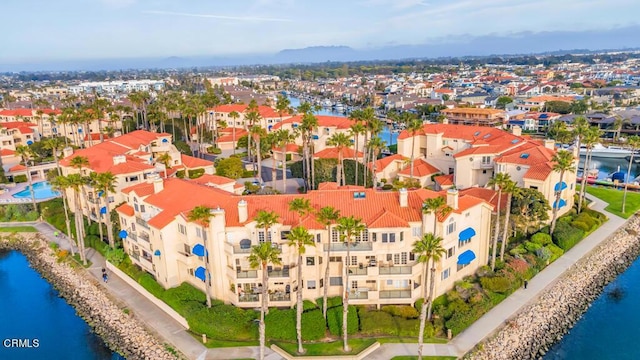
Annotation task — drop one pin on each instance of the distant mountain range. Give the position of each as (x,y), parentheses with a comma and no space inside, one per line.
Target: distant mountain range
(621,38)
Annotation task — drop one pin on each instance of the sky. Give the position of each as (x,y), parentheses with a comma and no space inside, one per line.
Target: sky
(90,29)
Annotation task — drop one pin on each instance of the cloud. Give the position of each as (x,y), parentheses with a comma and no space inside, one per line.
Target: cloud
(213,16)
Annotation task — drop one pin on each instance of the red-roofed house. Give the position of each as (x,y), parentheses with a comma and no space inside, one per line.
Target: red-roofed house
(422,172)
(327,127)
(161,240)
(388,167)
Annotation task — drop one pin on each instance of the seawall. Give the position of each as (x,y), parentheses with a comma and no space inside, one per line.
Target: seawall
(530,333)
(120,331)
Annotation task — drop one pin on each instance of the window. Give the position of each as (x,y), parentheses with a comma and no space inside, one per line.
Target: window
(321,283)
(412,256)
(311,284)
(364,236)
(389,282)
(390,237)
(311,261)
(451,227)
(354,284)
(462,266)
(335,281)
(284,234)
(335,259)
(451,251)
(403,259)
(261,236)
(486,160)
(402,236)
(182,229)
(334,235)
(318,239)
(187,249)
(353,261)
(199,232)
(136,207)
(142,208)
(462,243)
(445,274)
(533,187)
(396,259)
(416,231)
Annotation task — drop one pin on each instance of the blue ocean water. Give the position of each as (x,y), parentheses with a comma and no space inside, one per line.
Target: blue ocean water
(30,308)
(609,329)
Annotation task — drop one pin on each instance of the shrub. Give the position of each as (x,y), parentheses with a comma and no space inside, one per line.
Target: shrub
(331,302)
(281,324)
(404,311)
(313,325)
(518,250)
(334,320)
(224,322)
(180,174)
(20,178)
(531,246)
(151,285)
(595,214)
(517,266)
(194,174)
(383,323)
(544,253)
(581,225)
(556,252)
(497,284)
(387,187)
(541,238)
(566,236)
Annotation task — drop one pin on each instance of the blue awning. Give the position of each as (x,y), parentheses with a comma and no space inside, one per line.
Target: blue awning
(516,122)
(103,210)
(560,186)
(562,204)
(29,142)
(466,257)
(315,137)
(198,250)
(157,253)
(165,140)
(467,234)
(201,273)
(123,234)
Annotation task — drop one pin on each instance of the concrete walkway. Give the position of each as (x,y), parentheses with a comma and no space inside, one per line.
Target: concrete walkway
(173,333)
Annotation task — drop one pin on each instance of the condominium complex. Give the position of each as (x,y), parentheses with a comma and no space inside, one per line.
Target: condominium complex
(383,270)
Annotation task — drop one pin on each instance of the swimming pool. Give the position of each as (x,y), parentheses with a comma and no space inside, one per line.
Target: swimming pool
(41,190)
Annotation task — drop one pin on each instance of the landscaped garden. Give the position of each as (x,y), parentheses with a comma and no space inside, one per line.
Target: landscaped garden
(614,198)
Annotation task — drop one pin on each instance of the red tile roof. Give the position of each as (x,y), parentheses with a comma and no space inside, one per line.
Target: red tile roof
(7,152)
(213,179)
(488,195)
(539,172)
(326,121)
(444,180)
(125,209)
(386,161)
(142,189)
(16,112)
(332,153)
(266,112)
(420,168)
(226,134)
(191,162)
(18,168)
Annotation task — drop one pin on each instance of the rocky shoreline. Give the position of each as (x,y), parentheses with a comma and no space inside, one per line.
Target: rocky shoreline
(120,331)
(532,332)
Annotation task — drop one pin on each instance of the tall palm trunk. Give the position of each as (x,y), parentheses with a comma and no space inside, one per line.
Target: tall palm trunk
(313,168)
(264,308)
(345,302)
(233,139)
(355,155)
(583,182)
(173,128)
(66,135)
(112,242)
(556,206)
(33,195)
(284,169)
(505,233)
(66,219)
(299,305)
(259,159)
(413,150)
(626,183)
(80,227)
(423,310)
(326,274)
(99,216)
(496,232)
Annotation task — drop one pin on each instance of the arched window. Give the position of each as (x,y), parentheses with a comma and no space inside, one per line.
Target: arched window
(451,226)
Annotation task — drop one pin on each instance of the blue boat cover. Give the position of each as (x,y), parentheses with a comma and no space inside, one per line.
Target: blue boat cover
(466,257)
(467,234)
(198,250)
(201,273)
(560,186)
(562,203)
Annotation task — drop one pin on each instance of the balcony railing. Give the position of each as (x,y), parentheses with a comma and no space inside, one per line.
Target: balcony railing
(246,274)
(142,223)
(248,297)
(144,236)
(356,246)
(133,236)
(280,296)
(238,250)
(279,273)
(357,271)
(395,270)
(395,294)
(359,295)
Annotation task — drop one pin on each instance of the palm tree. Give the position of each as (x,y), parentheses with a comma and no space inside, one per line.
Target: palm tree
(94,182)
(106,182)
(374,127)
(498,181)
(257,132)
(327,215)
(355,130)
(309,123)
(284,137)
(590,139)
(203,214)
(234,115)
(165,159)
(265,220)
(261,256)
(428,249)
(376,144)
(348,227)
(76,182)
(25,153)
(413,126)
(562,162)
(61,184)
(436,206)
(509,187)
(580,128)
(282,105)
(54,144)
(80,162)
(340,141)
(299,239)
(634,144)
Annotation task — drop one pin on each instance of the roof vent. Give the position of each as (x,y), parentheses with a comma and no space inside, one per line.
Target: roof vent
(524,156)
(515,141)
(359,195)
(476,133)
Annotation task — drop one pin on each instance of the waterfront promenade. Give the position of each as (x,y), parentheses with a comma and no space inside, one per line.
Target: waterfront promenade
(171,332)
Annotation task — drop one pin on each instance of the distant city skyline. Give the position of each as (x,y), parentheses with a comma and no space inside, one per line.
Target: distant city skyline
(72,29)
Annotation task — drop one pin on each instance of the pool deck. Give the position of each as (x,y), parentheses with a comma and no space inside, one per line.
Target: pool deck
(7,196)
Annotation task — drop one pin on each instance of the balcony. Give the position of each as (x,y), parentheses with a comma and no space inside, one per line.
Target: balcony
(486,165)
(280,296)
(279,273)
(237,249)
(248,298)
(144,236)
(358,270)
(246,274)
(142,223)
(395,270)
(357,246)
(133,236)
(395,294)
(188,259)
(359,295)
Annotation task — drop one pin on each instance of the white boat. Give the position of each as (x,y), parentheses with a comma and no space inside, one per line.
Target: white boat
(601,151)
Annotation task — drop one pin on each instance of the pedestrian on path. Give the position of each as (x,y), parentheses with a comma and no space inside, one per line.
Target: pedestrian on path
(55,233)
(526,283)
(105,278)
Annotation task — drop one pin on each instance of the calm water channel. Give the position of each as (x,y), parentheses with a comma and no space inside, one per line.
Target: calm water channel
(31,309)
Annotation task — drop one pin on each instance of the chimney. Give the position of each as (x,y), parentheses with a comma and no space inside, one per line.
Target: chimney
(404,197)
(66,152)
(243,212)
(445,121)
(158,185)
(516,130)
(119,159)
(550,144)
(452,199)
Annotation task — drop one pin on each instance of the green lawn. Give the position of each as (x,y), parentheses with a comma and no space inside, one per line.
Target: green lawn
(216,343)
(327,349)
(424,357)
(18,229)
(614,198)
(410,340)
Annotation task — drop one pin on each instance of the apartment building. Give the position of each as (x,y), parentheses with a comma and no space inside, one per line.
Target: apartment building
(537,103)
(473,154)
(475,116)
(132,158)
(268,116)
(383,270)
